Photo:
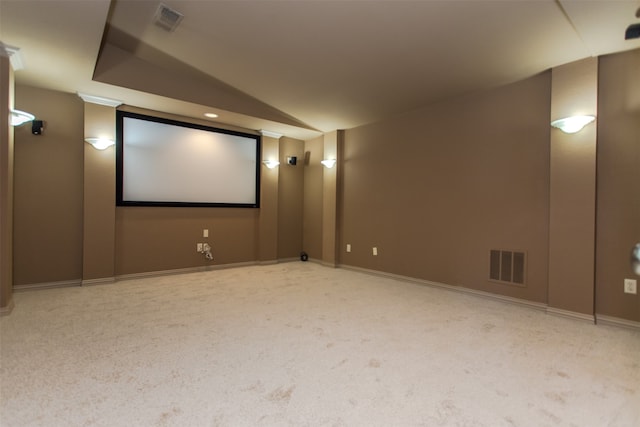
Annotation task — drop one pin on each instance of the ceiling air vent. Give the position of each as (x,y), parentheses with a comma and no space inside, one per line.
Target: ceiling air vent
(167,18)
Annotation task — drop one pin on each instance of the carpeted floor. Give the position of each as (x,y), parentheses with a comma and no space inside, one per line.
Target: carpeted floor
(298,344)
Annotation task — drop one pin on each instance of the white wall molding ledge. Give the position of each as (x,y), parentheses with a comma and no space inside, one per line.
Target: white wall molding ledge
(616,321)
(99,281)
(460,289)
(47,285)
(7,309)
(571,315)
(183,270)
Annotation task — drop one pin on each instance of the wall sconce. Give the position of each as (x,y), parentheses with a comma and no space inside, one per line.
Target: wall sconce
(20,117)
(100,143)
(271,163)
(572,124)
(329,163)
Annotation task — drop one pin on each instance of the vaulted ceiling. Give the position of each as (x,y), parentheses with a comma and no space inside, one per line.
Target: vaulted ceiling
(306,66)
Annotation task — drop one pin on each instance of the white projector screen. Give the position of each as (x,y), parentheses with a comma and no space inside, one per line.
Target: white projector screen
(164,162)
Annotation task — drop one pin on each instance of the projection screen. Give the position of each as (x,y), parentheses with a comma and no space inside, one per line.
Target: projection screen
(162,162)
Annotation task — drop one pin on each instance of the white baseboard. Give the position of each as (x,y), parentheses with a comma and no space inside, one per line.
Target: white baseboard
(323,263)
(571,315)
(601,319)
(158,273)
(460,289)
(47,285)
(131,276)
(530,304)
(100,281)
(7,309)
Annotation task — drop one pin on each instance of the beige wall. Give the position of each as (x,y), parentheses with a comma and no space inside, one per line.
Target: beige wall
(157,239)
(434,190)
(98,247)
(6,185)
(290,194)
(572,198)
(332,141)
(268,215)
(58,239)
(313,189)
(48,189)
(618,205)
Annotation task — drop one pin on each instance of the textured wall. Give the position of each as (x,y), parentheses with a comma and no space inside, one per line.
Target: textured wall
(48,189)
(618,213)
(434,190)
(290,194)
(313,188)
(6,185)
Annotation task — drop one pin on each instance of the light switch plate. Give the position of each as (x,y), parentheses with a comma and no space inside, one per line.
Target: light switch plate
(630,286)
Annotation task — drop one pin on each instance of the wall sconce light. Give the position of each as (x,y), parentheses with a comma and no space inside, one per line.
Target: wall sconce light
(271,163)
(20,117)
(329,163)
(100,143)
(572,124)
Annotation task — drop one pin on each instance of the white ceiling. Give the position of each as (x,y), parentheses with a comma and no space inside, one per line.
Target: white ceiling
(299,67)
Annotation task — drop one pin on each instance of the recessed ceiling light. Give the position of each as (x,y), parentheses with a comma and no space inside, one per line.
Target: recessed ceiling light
(211,115)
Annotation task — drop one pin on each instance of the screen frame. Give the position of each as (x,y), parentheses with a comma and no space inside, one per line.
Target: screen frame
(120,154)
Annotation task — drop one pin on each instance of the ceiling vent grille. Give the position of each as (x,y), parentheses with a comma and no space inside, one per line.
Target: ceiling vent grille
(507,266)
(167,18)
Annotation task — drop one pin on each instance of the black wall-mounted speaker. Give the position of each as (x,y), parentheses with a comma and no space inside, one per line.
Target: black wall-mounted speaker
(633,31)
(37,127)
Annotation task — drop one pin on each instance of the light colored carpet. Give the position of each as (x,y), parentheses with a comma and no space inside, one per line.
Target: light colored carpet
(298,344)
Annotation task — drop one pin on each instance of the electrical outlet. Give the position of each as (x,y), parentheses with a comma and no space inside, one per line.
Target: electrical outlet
(199,247)
(205,232)
(630,286)
(375,251)
(348,247)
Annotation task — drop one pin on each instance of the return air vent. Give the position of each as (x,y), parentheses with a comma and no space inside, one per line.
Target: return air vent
(507,266)
(167,18)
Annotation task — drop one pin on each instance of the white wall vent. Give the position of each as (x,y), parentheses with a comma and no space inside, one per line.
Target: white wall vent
(507,266)
(167,18)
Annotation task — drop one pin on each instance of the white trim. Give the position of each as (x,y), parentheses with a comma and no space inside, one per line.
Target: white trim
(100,281)
(7,309)
(270,134)
(571,315)
(322,262)
(460,289)
(158,273)
(181,271)
(93,99)
(616,321)
(47,285)
(15,57)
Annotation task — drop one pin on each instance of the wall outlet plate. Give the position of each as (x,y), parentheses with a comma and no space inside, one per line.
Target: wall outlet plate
(348,247)
(375,251)
(630,286)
